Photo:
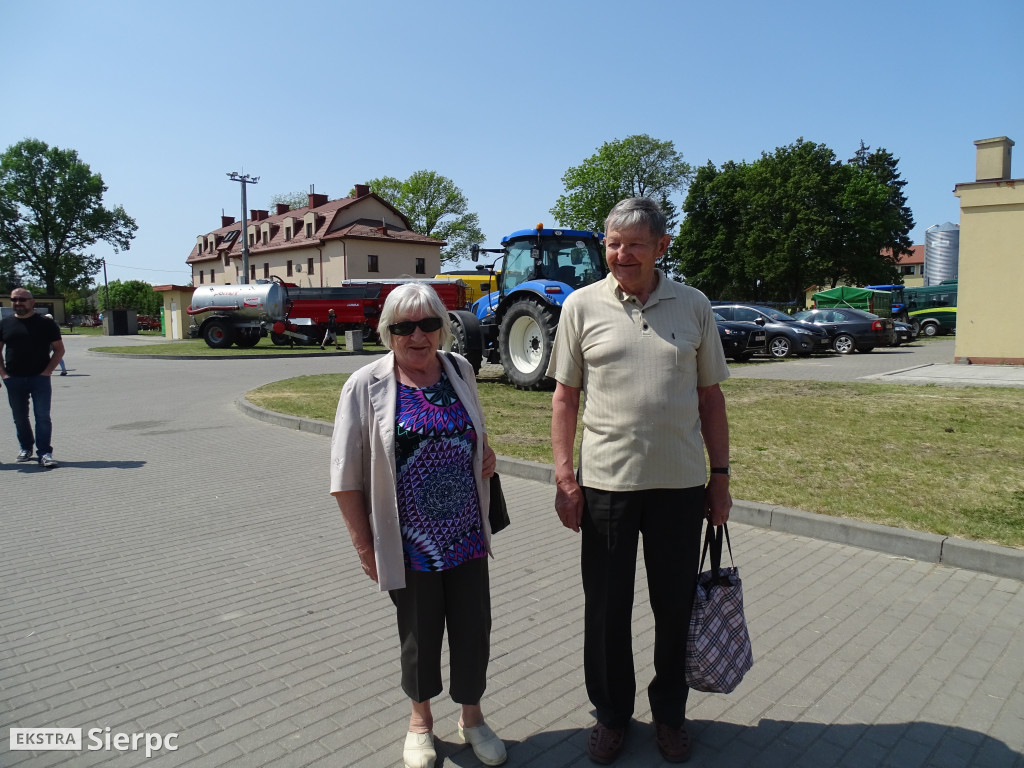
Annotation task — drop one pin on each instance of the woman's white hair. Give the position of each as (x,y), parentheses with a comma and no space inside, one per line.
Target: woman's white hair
(413,298)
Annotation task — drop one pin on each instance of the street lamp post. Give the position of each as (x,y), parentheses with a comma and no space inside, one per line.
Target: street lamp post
(244,179)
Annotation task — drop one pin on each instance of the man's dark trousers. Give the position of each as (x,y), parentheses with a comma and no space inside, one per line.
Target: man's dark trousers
(671,521)
(19,390)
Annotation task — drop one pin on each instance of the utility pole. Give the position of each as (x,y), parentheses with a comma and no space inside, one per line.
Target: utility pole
(244,179)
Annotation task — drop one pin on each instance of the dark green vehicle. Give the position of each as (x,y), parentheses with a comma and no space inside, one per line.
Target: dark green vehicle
(932,309)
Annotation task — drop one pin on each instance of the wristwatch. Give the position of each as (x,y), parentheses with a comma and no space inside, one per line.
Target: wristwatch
(721,471)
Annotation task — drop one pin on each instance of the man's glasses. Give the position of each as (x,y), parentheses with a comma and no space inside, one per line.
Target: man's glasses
(406,327)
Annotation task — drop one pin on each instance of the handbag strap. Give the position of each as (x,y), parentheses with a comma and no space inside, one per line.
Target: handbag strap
(454,363)
(713,543)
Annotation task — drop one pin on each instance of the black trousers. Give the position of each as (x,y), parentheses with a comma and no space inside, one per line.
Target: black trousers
(671,523)
(461,599)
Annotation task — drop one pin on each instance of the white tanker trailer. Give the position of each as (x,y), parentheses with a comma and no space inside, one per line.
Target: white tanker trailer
(236,314)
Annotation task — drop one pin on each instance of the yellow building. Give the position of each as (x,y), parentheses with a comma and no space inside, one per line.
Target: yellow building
(320,245)
(991,273)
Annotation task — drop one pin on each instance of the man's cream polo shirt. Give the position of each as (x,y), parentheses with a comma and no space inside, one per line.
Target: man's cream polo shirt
(639,368)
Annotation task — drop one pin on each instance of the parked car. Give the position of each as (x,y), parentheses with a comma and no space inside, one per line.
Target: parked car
(850,329)
(740,340)
(785,336)
(904,333)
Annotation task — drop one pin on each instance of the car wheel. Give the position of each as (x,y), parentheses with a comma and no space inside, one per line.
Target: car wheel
(779,347)
(930,329)
(844,344)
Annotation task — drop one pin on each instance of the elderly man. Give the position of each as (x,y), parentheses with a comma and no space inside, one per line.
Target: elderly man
(30,350)
(644,350)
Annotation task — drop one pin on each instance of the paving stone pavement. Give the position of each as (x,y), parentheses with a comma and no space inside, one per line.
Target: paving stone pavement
(185,571)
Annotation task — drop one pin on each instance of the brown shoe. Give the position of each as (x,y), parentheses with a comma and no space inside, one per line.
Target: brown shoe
(605,743)
(674,744)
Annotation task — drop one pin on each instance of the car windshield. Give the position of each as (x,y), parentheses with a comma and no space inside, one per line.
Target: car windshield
(807,316)
(719,318)
(774,314)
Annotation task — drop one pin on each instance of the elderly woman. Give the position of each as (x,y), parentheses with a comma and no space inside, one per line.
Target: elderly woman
(409,468)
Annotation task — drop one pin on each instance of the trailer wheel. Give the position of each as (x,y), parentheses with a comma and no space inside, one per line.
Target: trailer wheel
(460,343)
(218,334)
(525,340)
(246,338)
(280,339)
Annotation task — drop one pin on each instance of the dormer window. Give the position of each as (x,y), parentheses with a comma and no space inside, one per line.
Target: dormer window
(309,229)
(265,237)
(287,233)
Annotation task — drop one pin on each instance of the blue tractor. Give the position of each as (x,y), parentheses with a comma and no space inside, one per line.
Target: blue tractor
(515,325)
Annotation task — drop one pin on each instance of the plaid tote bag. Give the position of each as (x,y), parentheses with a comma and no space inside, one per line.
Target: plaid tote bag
(718,652)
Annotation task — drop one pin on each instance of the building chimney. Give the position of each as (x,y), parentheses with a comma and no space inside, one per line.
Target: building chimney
(315,200)
(227,221)
(258,215)
(281,208)
(362,190)
(993,159)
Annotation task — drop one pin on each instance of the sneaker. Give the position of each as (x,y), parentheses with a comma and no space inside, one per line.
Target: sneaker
(48,461)
(63,373)
(25,456)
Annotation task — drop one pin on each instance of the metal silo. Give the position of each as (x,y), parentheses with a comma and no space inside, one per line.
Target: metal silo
(941,253)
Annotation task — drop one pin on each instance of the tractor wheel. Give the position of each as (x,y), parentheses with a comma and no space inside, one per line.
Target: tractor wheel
(218,334)
(460,343)
(524,342)
(246,338)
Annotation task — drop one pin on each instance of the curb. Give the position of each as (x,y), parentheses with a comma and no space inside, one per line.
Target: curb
(925,547)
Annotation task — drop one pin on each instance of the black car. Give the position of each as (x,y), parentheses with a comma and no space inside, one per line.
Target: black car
(903,332)
(740,340)
(785,335)
(851,329)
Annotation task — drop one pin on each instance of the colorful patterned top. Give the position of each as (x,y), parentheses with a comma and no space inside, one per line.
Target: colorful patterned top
(438,505)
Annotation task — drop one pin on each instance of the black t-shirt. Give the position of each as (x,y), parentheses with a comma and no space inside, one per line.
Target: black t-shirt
(27,343)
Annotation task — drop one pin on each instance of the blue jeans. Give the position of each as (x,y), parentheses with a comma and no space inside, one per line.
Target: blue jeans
(19,390)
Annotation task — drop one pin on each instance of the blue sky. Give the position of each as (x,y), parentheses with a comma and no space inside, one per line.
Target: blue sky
(163,99)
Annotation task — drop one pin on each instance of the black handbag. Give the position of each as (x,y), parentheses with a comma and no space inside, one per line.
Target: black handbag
(497,515)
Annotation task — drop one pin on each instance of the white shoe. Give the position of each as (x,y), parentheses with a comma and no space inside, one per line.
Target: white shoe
(419,750)
(488,748)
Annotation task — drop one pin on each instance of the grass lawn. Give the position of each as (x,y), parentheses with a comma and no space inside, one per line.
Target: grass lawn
(199,348)
(939,459)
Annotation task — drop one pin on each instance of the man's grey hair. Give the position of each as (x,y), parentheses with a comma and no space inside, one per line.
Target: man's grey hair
(634,212)
(411,298)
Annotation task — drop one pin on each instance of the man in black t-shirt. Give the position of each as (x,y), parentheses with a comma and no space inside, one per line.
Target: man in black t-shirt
(30,350)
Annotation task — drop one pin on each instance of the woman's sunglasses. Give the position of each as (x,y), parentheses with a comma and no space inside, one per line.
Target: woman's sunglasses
(406,327)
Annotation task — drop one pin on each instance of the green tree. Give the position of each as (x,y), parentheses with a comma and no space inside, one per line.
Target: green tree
(636,166)
(293,199)
(130,294)
(793,218)
(435,206)
(51,210)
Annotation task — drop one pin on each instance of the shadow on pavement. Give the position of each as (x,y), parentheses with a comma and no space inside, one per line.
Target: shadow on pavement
(727,745)
(32,466)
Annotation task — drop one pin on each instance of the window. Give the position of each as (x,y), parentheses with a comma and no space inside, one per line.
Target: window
(309,230)
(266,271)
(212,279)
(910,270)
(202,276)
(264,237)
(289,267)
(227,260)
(371,263)
(252,271)
(309,265)
(287,233)
(421,266)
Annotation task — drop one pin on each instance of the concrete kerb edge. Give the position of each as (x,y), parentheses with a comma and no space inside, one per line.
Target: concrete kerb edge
(925,547)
